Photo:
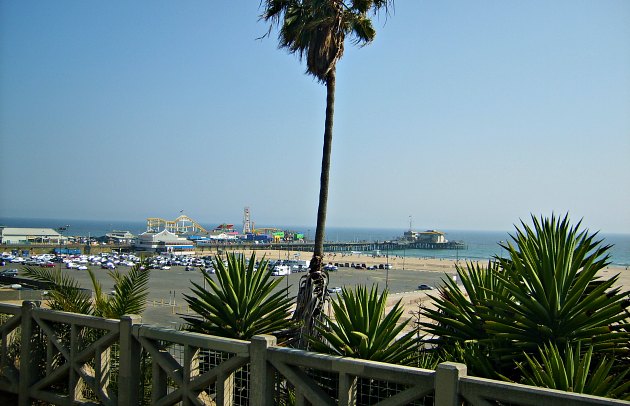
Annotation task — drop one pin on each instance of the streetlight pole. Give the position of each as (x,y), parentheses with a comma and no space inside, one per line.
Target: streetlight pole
(387,266)
(61,230)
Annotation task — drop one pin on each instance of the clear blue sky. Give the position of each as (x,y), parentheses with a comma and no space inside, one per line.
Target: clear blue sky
(463,114)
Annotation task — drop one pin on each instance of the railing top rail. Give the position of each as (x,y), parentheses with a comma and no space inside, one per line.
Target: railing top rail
(199,340)
(529,395)
(8,308)
(75,318)
(353,366)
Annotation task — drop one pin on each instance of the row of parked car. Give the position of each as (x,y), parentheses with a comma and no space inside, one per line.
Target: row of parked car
(335,266)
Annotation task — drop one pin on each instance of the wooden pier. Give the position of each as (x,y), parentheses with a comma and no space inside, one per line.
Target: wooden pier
(363,246)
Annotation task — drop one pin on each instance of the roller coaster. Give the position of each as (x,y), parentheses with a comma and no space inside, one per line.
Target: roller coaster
(182,225)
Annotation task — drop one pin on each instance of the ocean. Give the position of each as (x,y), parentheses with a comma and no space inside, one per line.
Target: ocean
(480,245)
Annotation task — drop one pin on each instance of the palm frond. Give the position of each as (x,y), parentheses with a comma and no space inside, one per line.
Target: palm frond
(64,292)
(130,292)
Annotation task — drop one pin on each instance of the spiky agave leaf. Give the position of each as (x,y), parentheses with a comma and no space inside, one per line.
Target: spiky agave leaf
(244,301)
(571,370)
(360,328)
(459,314)
(557,295)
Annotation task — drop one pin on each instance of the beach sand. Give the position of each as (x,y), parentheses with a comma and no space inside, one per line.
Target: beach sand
(440,265)
(412,299)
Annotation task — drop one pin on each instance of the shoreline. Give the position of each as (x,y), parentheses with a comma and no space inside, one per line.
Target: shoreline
(441,265)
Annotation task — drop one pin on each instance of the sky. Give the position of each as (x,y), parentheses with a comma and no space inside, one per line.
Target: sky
(462,114)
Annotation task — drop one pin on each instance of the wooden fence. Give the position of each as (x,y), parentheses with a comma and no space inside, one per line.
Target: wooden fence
(69,359)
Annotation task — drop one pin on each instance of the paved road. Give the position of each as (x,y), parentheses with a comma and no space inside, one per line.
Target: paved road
(167,287)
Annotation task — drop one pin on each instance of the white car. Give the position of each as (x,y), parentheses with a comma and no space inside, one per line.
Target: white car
(335,289)
(82,268)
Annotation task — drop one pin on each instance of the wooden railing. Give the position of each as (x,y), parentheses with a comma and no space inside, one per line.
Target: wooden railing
(65,358)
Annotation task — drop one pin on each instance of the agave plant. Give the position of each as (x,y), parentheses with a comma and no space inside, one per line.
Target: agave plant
(457,322)
(459,314)
(244,301)
(545,291)
(555,294)
(360,328)
(573,372)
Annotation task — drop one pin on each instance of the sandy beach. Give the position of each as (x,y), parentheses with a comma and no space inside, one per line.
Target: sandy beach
(413,264)
(412,298)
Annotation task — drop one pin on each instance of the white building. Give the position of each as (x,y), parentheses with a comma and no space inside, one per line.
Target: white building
(164,242)
(429,236)
(120,237)
(16,235)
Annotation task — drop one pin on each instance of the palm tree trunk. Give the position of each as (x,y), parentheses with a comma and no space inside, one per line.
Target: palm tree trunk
(320,231)
(312,293)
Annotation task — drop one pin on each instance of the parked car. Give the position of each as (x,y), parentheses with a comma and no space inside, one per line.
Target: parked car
(9,272)
(335,289)
(425,287)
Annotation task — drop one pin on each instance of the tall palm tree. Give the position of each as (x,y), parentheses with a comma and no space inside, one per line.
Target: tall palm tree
(316,30)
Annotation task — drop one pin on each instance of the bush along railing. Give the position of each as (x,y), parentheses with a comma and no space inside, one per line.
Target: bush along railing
(64,358)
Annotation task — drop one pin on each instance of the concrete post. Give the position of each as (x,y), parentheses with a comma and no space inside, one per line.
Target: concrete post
(27,363)
(447,383)
(262,378)
(130,351)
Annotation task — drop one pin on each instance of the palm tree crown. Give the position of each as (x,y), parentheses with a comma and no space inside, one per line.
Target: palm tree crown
(317,28)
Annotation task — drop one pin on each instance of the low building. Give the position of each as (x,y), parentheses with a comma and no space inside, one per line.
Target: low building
(164,242)
(429,236)
(120,237)
(17,235)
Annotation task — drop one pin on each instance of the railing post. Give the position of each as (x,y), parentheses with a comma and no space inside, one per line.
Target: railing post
(130,351)
(347,389)
(261,381)
(447,383)
(27,363)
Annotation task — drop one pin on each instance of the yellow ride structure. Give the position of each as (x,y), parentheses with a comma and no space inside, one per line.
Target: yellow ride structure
(181,225)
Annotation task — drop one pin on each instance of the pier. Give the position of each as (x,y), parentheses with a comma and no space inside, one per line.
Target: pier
(363,246)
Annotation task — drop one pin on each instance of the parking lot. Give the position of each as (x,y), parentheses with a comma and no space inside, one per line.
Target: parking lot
(168,286)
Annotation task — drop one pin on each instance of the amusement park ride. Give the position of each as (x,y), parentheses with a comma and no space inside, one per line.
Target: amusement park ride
(185,226)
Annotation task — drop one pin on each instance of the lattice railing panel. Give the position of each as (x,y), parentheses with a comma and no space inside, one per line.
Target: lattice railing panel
(76,354)
(192,368)
(10,329)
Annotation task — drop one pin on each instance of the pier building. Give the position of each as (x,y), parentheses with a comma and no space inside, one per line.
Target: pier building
(164,242)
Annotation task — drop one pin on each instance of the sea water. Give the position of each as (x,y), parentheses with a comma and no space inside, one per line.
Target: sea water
(479,245)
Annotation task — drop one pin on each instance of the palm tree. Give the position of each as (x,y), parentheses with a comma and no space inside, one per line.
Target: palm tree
(316,30)
(244,301)
(129,295)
